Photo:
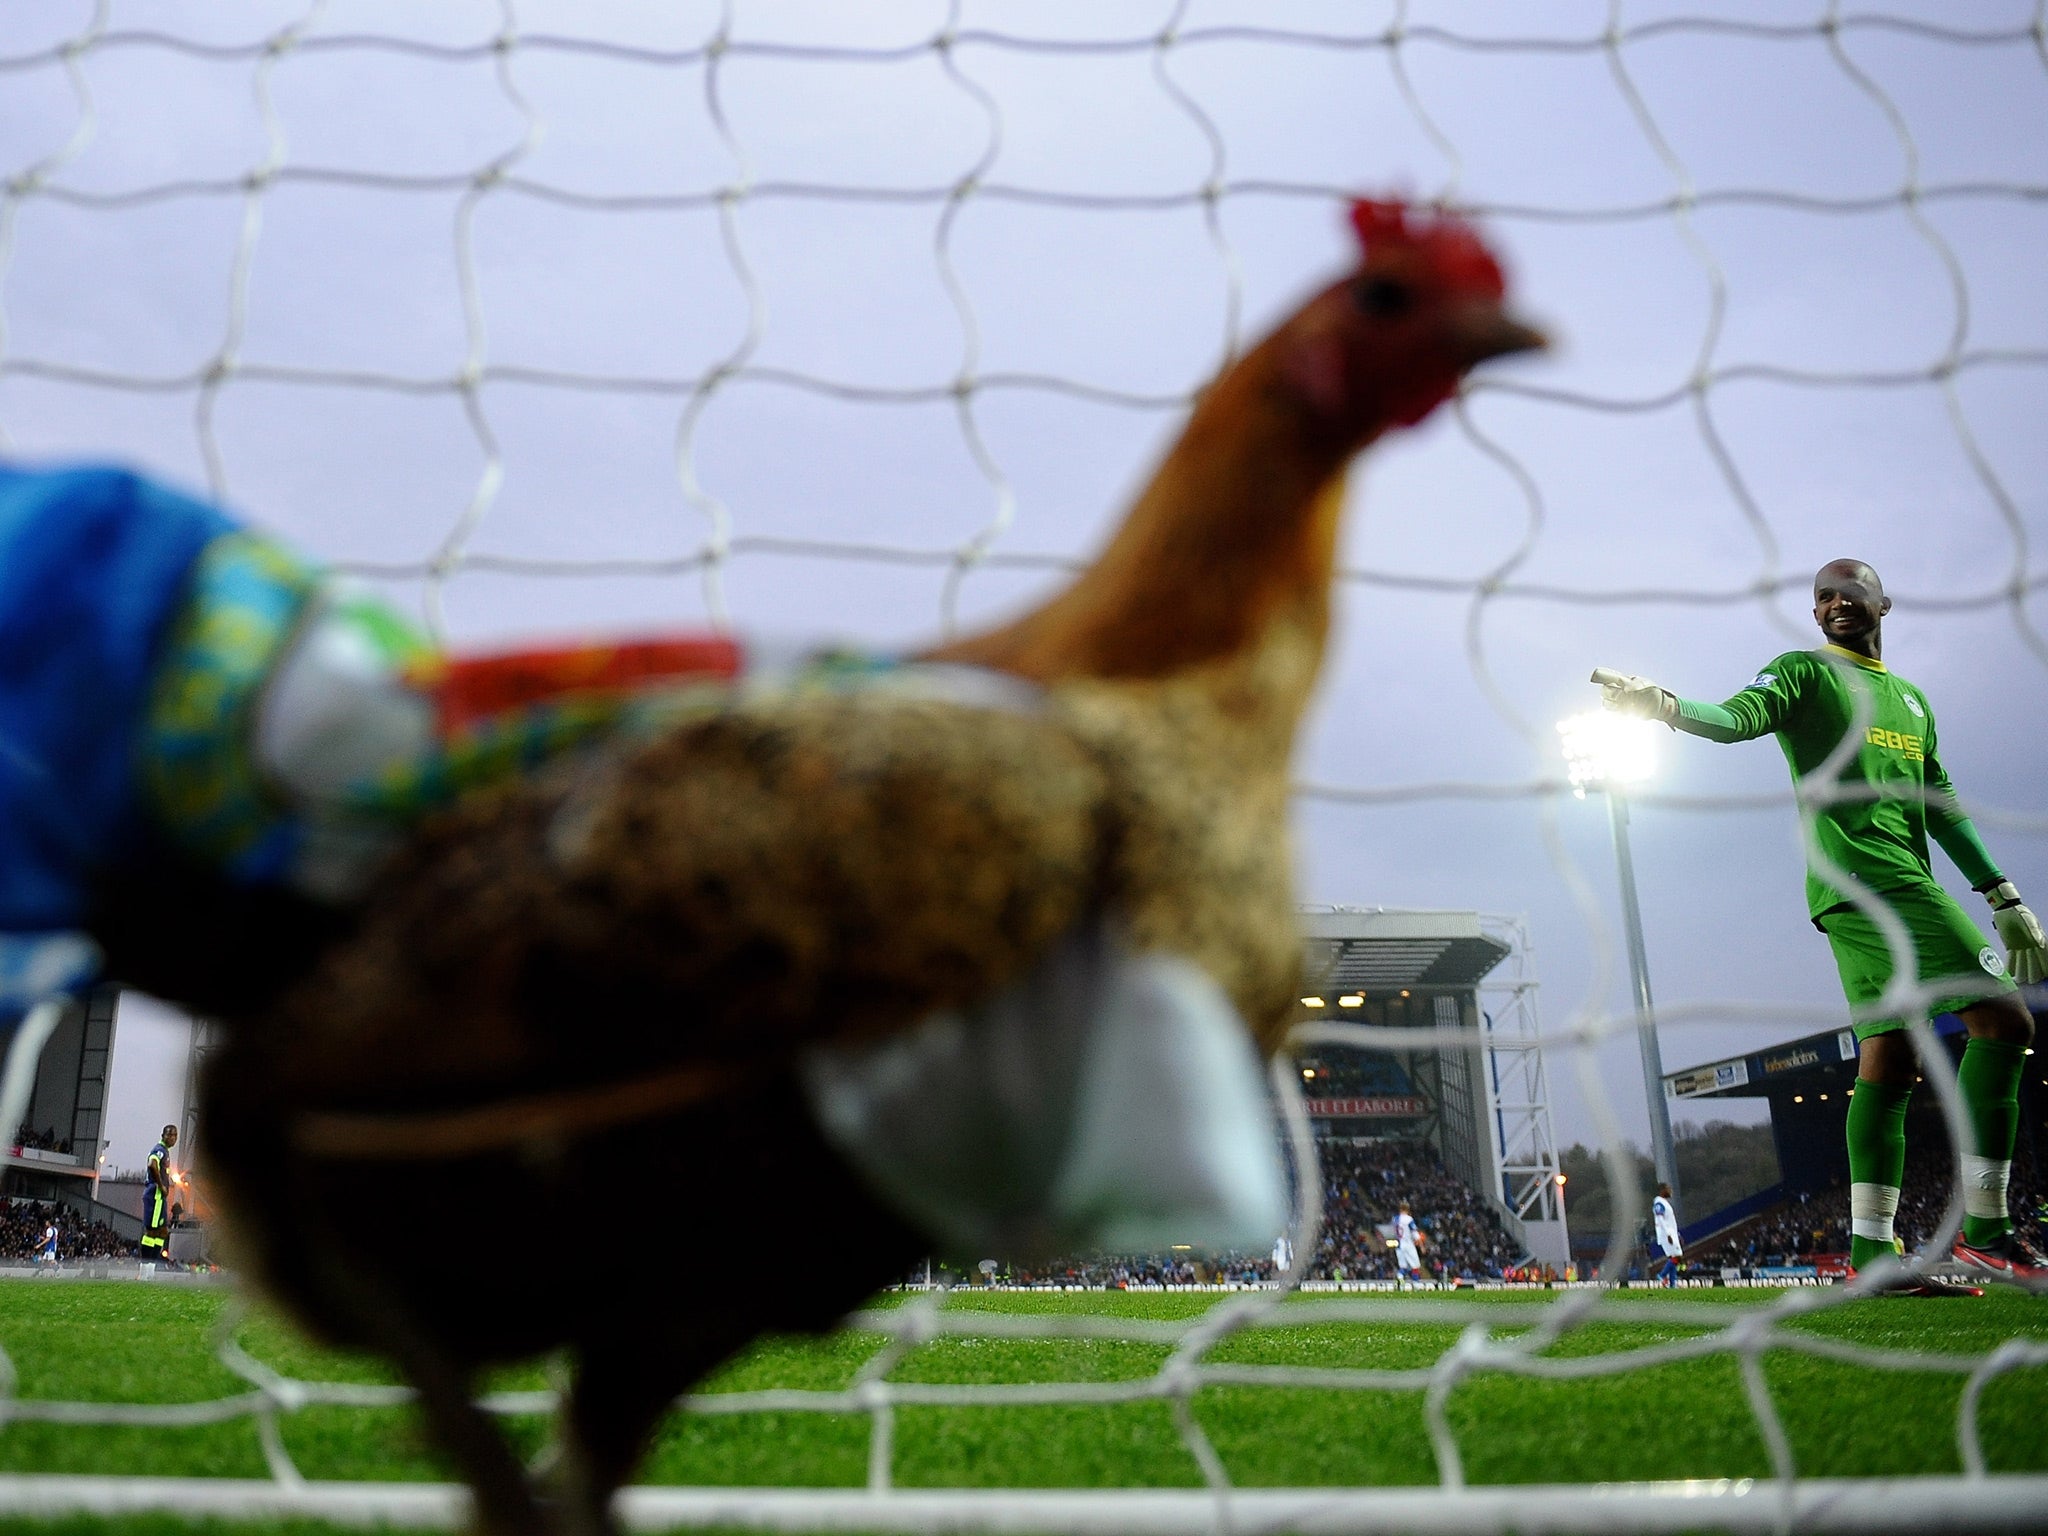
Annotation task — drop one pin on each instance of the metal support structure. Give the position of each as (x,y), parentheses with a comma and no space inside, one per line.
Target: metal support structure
(1427,1078)
(95,1065)
(1459,1081)
(1665,1153)
(205,1039)
(1518,1091)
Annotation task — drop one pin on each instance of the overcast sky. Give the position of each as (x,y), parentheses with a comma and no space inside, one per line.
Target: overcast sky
(604,291)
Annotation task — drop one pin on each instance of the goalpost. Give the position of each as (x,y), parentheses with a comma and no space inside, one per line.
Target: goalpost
(518,310)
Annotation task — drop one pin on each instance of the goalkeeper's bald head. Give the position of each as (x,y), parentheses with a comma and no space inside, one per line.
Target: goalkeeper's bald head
(1858,573)
(1849,604)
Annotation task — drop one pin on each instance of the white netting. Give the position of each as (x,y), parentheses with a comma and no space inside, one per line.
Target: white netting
(536,299)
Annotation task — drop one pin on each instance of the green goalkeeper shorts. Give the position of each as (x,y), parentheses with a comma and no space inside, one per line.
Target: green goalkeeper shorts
(1949,953)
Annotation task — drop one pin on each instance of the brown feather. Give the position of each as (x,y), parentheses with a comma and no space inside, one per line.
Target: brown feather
(770,876)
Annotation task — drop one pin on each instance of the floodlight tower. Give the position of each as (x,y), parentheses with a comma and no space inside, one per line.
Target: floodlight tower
(1609,752)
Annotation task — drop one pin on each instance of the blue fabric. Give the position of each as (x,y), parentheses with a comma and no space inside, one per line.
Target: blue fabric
(199,781)
(93,562)
(34,966)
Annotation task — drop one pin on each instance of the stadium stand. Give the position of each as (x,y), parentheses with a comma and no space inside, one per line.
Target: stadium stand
(44,1141)
(1354,1074)
(1796,1229)
(1363,1185)
(1127,1271)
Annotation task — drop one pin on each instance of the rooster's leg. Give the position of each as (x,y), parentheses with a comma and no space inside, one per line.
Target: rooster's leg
(505,1502)
(505,1505)
(622,1390)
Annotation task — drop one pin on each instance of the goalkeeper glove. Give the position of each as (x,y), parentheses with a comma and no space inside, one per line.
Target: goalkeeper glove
(1629,695)
(2020,931)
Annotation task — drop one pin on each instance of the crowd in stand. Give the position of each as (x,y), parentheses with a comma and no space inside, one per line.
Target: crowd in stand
(1795,1231)
(42,1141)
(1364,1184)
(21,1233)
(1120,1273)
(1807,1225)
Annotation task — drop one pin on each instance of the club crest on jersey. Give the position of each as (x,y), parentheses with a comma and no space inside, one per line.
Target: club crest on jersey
(1763,680)
(1988,958)
(1914,705)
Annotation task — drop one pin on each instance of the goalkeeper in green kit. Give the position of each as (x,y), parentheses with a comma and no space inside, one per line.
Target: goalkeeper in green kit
(1871,817)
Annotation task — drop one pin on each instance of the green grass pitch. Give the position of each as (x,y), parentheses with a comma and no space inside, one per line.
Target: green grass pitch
(144,1343)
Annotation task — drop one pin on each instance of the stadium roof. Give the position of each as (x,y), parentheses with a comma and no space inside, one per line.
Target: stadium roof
(1378,949)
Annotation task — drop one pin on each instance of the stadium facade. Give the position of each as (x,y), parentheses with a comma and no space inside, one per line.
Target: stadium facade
(61,1134)
(1463,1066)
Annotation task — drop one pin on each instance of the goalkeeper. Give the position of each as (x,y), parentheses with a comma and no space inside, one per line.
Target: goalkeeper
(1871,816)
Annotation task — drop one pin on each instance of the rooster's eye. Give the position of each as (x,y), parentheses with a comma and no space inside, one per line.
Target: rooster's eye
(1382,297)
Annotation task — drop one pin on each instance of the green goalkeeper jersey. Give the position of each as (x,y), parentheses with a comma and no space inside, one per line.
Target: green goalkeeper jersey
(1899,793)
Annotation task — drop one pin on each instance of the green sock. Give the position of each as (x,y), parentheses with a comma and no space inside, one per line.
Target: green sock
(1989,1078)
(1877,1163)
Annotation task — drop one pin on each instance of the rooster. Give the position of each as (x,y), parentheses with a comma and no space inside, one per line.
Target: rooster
(712,955)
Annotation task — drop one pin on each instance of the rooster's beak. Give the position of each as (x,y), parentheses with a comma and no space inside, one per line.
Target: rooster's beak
(1480,331)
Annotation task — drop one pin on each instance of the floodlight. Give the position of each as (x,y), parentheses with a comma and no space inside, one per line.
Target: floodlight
(1602,748)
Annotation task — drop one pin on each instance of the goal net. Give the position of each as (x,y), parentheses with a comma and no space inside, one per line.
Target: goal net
(859,323)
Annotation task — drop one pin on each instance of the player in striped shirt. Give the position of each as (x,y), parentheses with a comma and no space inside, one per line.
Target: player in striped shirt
(1870,811)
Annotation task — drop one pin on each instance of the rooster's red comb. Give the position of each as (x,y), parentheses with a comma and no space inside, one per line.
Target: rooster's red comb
(1449,245)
